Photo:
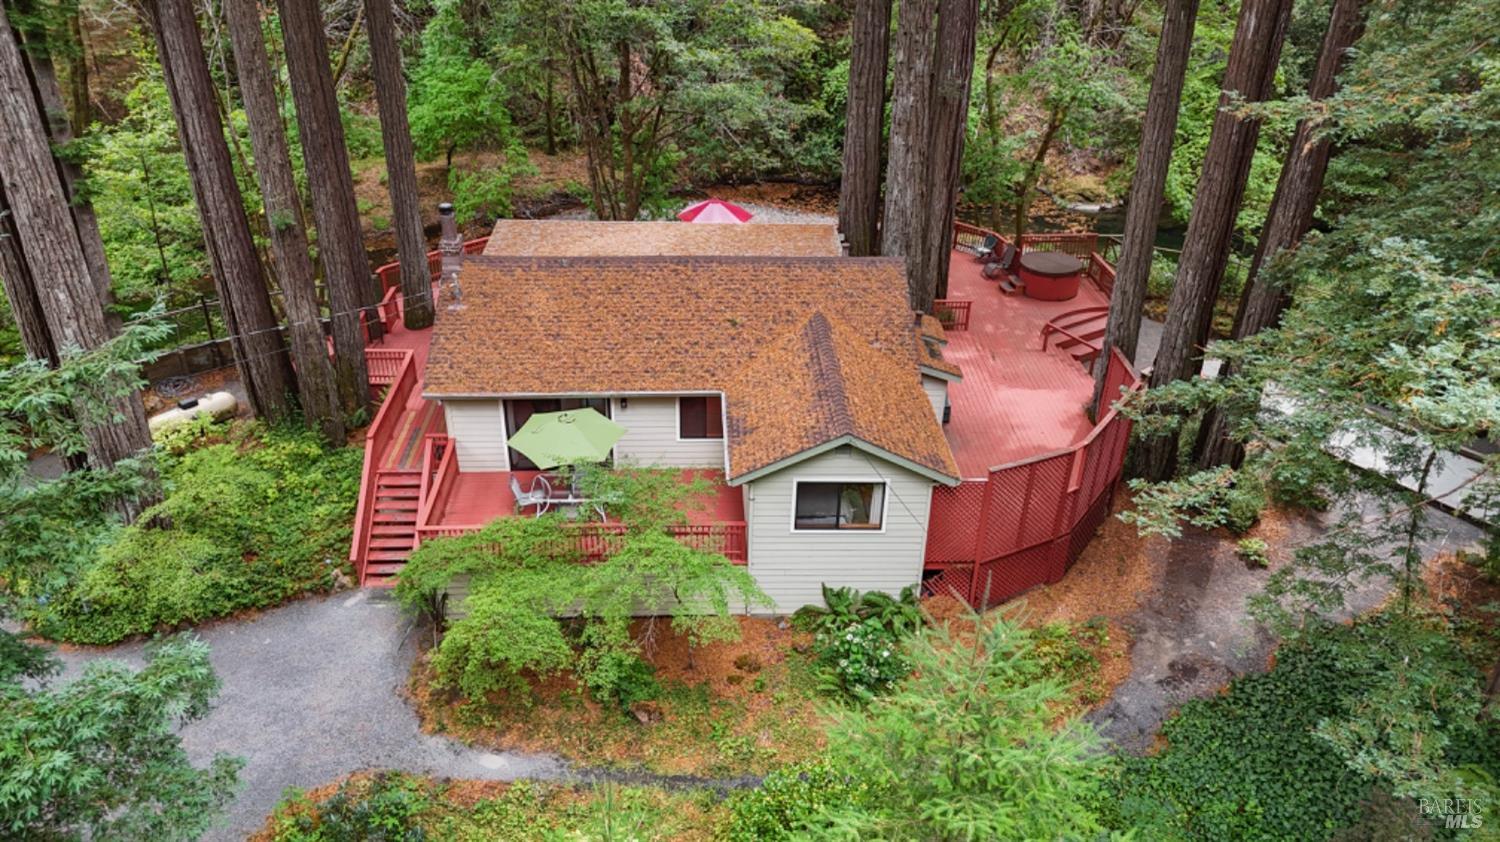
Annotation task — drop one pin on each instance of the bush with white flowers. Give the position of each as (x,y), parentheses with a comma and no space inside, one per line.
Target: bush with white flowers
(861,658)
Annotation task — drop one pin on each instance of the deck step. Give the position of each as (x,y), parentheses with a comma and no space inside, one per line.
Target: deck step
(399,556)
(402,480)
(389,529)
(406,519)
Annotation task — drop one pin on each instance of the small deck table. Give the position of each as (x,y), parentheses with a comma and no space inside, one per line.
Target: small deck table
(1051,275)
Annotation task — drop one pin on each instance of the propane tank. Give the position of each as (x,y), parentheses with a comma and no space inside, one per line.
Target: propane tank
(220,405)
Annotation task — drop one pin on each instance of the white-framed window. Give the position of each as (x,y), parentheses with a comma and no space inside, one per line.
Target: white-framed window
(700,417)
(838,505)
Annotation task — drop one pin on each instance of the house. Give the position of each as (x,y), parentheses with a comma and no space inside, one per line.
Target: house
(848,440)
(798,378)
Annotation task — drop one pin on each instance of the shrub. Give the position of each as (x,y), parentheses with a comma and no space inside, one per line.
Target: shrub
(858,638)
(245,524)
(861,659)
(610,666)
(1253,551)
(385,807)
(788,800)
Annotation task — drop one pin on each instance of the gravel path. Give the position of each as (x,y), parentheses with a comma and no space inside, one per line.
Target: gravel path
(1193,633)
(312,691)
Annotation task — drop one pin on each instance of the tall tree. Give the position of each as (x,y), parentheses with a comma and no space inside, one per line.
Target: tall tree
(958,23)
(864,127)
(1253,56)
(260,352)
(20,290)
(39,44)
(1289,219)
(902,230)
(317,387)
(47,244)
(400,164)
(1158,131)
(346,268)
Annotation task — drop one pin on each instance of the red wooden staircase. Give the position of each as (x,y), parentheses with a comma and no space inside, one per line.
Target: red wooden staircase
(1079,332)
(393,525)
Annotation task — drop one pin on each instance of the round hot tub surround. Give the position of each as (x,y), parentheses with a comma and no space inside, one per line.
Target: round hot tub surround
(1051,275)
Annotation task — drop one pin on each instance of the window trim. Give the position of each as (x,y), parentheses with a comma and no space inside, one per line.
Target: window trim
(885,505)
(677,430)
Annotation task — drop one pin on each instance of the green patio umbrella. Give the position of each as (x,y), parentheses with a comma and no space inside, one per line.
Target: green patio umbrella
(558,438)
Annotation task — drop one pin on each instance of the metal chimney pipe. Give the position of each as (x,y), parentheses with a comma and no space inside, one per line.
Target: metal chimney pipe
(451,246)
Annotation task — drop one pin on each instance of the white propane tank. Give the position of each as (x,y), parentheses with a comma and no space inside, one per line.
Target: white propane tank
(220,405)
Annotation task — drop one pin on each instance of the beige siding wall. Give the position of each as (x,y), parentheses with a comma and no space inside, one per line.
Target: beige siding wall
(791,567)
(937,392)
(651,436)
(479,428)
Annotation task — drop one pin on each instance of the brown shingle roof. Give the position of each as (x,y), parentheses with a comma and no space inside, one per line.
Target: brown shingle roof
(632,325)
(587,238)
(822,382)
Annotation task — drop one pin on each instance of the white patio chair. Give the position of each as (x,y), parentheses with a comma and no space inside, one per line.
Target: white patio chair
(540,494)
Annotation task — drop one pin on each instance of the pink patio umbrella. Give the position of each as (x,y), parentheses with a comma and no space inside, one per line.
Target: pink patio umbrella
(714,210)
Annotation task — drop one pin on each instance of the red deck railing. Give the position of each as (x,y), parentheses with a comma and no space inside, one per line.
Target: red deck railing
(592,541)
(953,313)
(1026,523)
(390,273)
(377,438)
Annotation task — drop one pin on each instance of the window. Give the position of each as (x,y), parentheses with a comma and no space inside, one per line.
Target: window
(700,418)
(839,505)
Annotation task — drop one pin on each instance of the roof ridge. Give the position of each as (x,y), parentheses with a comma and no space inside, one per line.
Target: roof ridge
(828,371)
(629,259)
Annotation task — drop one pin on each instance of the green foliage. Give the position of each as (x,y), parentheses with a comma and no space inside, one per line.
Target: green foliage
(245,524)
(99,757)
(1253,551)
(524,574)
(398,807)
(610,665)
(51,527)
(861,659)
(1291,753)
(384,808)
(1065,652)
(138,182)
(968,747)
(789,801)
(858,638)
(456,105)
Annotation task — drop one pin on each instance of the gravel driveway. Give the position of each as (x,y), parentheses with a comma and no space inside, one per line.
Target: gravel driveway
(312,691)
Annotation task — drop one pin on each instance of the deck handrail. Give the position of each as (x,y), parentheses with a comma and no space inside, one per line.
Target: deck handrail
(958,310)
(377,437)
(592,539)
(437,456)
(390,273)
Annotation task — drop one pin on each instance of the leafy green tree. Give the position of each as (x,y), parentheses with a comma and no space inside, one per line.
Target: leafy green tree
(1041,63)
(527,588)
(99,758)
(967,748)
(455,104)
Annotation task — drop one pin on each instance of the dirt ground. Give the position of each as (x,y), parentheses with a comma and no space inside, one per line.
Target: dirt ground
(1181,605)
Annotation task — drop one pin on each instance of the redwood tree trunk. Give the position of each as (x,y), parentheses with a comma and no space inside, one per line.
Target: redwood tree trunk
(1158,131)
(958,22)
(20,290)
(902,232)
(260,353)
(53,258)
(1253,56)
(335,214)
(864,127)
(317,387)
(400,164)
(60,130)
(1287,222)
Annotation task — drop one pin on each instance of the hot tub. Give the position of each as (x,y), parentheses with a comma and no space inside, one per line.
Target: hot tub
(1050,275)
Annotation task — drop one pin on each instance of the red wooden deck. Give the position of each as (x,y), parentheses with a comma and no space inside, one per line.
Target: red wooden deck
(479,497)
(1016,400)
